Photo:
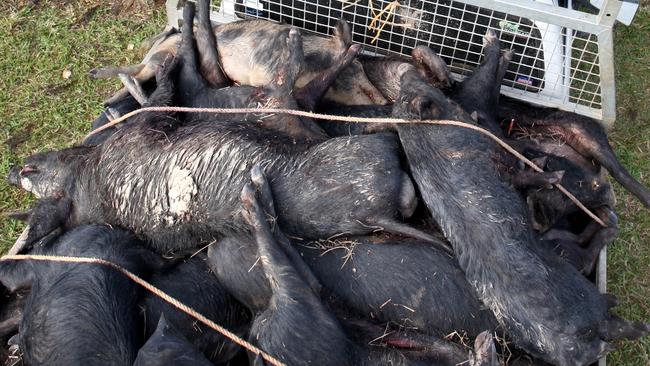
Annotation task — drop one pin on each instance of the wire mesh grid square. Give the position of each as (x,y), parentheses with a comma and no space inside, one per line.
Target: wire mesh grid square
(554,65)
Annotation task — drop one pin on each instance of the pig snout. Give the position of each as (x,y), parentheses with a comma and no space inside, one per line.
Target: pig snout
(13,177)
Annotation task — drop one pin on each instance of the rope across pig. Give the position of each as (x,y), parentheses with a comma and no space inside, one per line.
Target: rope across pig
(300,113)
(156,291)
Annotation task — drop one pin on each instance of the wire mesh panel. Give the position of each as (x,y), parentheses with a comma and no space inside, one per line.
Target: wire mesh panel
(557,63)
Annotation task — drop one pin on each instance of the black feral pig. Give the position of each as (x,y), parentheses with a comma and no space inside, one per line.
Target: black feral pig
(177,184)
(386,280)
(545,305)
(295,326)
(584,135)
(582,249)
(193,283)
(168,346)
(584,179)
(80,314)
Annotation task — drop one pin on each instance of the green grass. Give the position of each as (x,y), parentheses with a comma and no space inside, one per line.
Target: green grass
(39,110)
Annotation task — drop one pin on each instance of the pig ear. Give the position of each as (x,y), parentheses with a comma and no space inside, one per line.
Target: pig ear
(16,275)
(48,215)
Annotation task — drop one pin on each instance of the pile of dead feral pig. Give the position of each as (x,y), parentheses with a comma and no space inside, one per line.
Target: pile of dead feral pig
(319,242)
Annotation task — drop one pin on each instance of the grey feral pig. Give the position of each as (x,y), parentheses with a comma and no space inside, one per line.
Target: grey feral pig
(295,326)
(545,305)
(80,314)
(250,53)
(168,346)
(193,283)
(178,185)
(585,135)
(192,90)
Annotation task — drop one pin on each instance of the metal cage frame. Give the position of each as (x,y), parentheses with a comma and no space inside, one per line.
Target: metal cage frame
(599,26)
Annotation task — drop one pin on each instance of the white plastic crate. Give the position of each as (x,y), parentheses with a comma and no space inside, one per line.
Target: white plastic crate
(564,57)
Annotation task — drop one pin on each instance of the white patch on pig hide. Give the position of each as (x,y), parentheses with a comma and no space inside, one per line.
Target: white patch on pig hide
(26,184)
(181,188)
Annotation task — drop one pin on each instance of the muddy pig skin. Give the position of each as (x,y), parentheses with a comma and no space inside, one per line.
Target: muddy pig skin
(167,346)
(81,314)
(193,283)
(179,189)
(547,307)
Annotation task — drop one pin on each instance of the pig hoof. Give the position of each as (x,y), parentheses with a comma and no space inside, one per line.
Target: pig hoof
(607,215)
(490,37)
(540,162)
(484,351)
(248,201)
(508,55)
(611,300)
(257,175)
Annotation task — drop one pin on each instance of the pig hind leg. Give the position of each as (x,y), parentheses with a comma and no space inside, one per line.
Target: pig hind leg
(190,82)
(207,47)
(309,95)
(263,188)
(479,92)
(434,64)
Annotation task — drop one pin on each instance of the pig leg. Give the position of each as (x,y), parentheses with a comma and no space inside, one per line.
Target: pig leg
(529,178)
(277,266)
(48,215)
(190,82)
(435,64)
(603,238)
(479,92)
(285,328)
(309,95)
(111,72)
(133,86)
(206,43)
(343,34)
(616,328)
(165,86)
(266,199)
